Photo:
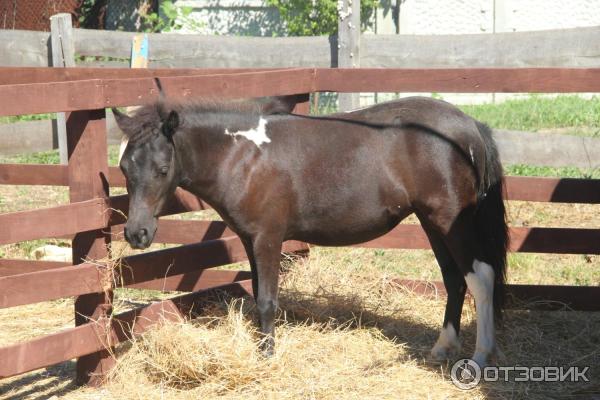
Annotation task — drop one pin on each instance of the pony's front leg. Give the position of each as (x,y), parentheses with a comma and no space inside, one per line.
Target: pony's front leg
(267,256)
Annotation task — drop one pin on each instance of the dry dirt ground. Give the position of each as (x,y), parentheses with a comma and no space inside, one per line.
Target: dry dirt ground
(344,330)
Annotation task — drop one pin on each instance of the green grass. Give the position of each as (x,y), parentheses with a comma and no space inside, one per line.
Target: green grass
(52,157)
(561,172)
(22,118)
(537,112)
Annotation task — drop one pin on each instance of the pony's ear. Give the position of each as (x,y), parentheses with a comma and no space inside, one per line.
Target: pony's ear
(125,122)
(282,104)
(170,124)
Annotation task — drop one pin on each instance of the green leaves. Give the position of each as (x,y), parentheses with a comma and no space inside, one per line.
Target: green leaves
(317,17)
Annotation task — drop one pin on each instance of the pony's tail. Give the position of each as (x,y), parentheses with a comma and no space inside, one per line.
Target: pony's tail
(490,218)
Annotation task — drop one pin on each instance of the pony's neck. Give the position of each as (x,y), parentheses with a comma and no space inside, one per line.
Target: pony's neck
(200,151)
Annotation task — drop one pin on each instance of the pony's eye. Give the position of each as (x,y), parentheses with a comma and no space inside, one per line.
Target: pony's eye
(164,170)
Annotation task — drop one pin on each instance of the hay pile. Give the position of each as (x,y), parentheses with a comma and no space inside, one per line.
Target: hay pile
(345,333)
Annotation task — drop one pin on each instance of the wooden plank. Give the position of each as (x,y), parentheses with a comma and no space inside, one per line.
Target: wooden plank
(52,349)
(551,297)
(33,174)
(555,240)
(207,278)
(102,93)
(49,284)
(97,336)
(53,222)
(63,55)
(206,51)
(179,260)
(24,48)
(194,281)
(348,47)
(159,264)
(460,80)
(528,240)
(10,266)
(556,48)
(182,201)
(183,231)
(98,93)
(24,75)
(558,190)
(88,173)
(577,47)
(540,297)
(559,48)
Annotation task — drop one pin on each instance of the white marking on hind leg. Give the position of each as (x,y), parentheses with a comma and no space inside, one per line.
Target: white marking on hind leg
(481,284)
(447,345)
(258,135)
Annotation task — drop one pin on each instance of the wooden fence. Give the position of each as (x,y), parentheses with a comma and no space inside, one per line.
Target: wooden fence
(93,217)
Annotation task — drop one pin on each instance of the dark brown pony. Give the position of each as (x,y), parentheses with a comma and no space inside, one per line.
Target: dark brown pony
(334,181)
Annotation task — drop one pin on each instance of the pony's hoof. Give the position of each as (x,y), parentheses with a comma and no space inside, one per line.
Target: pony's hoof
(267,352)
(483,358)
(447,352)
(267,347)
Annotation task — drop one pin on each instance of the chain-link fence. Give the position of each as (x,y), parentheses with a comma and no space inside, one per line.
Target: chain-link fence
(35,14)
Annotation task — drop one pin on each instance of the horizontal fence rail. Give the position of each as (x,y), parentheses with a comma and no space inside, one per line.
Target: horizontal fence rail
(34,98)
(98,335)
(558,48)
(559,190)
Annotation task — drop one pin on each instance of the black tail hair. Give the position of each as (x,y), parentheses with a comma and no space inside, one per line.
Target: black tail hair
(490,218)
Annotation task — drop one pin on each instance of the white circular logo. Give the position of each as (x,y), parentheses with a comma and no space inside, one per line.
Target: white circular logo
(465,374)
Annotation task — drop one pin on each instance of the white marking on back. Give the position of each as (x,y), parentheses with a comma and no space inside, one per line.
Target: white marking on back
(481,284)
(124,142)
(258,135)
(472,155)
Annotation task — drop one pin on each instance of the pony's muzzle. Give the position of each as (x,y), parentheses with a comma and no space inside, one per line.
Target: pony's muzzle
(138,239)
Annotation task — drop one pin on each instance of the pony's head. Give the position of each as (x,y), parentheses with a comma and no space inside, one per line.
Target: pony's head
(149,161)
(149,164)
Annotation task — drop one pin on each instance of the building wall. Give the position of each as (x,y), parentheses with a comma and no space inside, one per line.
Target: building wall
(411,17)
(232,17)
(416,17)
(439,17)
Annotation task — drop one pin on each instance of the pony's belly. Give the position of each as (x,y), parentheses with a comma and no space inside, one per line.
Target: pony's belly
(344,233)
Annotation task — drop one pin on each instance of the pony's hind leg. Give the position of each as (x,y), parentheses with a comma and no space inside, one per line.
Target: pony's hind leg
(448,345)
(462,243)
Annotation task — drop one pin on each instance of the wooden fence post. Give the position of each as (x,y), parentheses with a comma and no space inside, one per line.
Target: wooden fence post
(88,179)
(63,55)
(348,46)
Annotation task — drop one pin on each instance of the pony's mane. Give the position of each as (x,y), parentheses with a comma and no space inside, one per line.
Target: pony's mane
(146,120)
